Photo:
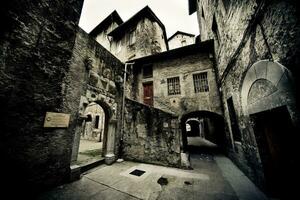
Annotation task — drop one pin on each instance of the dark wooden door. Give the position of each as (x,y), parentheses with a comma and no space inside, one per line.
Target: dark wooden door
(276,140)
(148,93)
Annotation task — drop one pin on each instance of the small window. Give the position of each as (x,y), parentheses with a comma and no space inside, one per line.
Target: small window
(233,121)
(201,82)
(173,86)
(147,71)
(97,122)
(183,42)
(132,37)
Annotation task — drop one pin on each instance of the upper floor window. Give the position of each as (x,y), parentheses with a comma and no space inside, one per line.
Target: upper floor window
(200,82)
(147,71)
(173,85)
(132,37)
(183,42)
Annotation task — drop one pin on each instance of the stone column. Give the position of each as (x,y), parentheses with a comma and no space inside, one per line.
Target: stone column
(110,147)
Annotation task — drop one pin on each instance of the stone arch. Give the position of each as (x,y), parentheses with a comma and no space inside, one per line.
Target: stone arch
(109,107)
(266,85)
(218,136)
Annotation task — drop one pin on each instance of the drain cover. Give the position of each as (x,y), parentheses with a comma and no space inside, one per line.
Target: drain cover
(137,172)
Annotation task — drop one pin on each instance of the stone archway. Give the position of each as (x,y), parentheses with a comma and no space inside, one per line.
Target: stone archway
(109,107)
(213,125)
(268,100)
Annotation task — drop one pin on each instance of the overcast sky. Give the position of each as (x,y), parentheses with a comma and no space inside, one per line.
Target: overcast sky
(172,13)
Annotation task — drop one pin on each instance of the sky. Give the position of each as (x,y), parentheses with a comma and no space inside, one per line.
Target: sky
(172,13)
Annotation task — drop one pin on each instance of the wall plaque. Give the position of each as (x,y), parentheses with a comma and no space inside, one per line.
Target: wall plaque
(57,120)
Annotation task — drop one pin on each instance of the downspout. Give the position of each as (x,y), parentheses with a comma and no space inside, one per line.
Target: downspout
(123,109)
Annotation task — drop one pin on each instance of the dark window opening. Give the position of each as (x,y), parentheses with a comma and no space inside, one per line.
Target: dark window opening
(201,82)
(233,121)
(173,86)
(215,30)
(203,13)
(88,118)
(97,122)
(147,71)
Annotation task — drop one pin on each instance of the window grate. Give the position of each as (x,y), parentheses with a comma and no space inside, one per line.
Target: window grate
(173,86)
(201,82)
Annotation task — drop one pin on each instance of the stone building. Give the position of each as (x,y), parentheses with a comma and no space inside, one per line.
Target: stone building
(257,57)
(180,39)
(141,35)
(181,81)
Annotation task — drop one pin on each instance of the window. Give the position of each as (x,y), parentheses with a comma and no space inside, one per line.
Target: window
(147,71)
(173,86)
(183,42)
(132,37)
(200,82)
(233,121)
(215,30)
(97,122)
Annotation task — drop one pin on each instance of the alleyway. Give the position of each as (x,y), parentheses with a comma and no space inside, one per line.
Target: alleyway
(213,177)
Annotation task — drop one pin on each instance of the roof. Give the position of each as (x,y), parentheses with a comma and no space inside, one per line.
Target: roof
(205,47)
(145,12)
(180,32)
(192,6)
(113,17)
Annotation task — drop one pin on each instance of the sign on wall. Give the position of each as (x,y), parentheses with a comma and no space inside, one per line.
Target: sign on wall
(56,120)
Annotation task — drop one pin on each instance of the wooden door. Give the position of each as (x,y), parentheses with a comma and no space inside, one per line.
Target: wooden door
(148,93)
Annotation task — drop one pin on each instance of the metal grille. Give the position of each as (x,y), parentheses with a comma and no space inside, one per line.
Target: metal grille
(200,82)
(173,86)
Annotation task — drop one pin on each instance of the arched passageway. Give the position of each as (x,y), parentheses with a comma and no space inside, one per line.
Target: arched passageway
(202,130)
(92,134)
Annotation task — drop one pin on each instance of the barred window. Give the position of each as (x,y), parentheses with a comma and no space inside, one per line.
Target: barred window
(173,85)
(200,82)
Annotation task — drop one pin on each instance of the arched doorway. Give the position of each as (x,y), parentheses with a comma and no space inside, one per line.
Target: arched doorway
(267,98)
(202,130)
(93,131)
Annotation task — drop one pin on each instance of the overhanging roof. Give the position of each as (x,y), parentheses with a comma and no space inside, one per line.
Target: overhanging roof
(204,47)
(180,32)
(113,17)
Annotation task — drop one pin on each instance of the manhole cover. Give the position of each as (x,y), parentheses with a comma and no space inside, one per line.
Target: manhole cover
(137,172)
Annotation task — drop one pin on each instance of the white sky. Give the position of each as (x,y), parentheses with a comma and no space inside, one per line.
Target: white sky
(172,13)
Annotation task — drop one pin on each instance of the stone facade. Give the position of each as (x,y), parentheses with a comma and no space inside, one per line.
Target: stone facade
(257,51)
(190,62)
(180,39)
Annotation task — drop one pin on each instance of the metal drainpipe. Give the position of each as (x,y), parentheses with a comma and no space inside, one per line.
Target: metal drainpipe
(123,104)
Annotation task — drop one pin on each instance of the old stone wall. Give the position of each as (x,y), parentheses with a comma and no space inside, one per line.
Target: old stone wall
(149,40)
(151,135)
(247,32)
(102,37)
(36,42)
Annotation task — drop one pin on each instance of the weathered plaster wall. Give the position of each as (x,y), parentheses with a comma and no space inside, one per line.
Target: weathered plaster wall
(180,40)
(187,101)
(149,40)
(249,32)
(36,42)
(151,135)
(102,37)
